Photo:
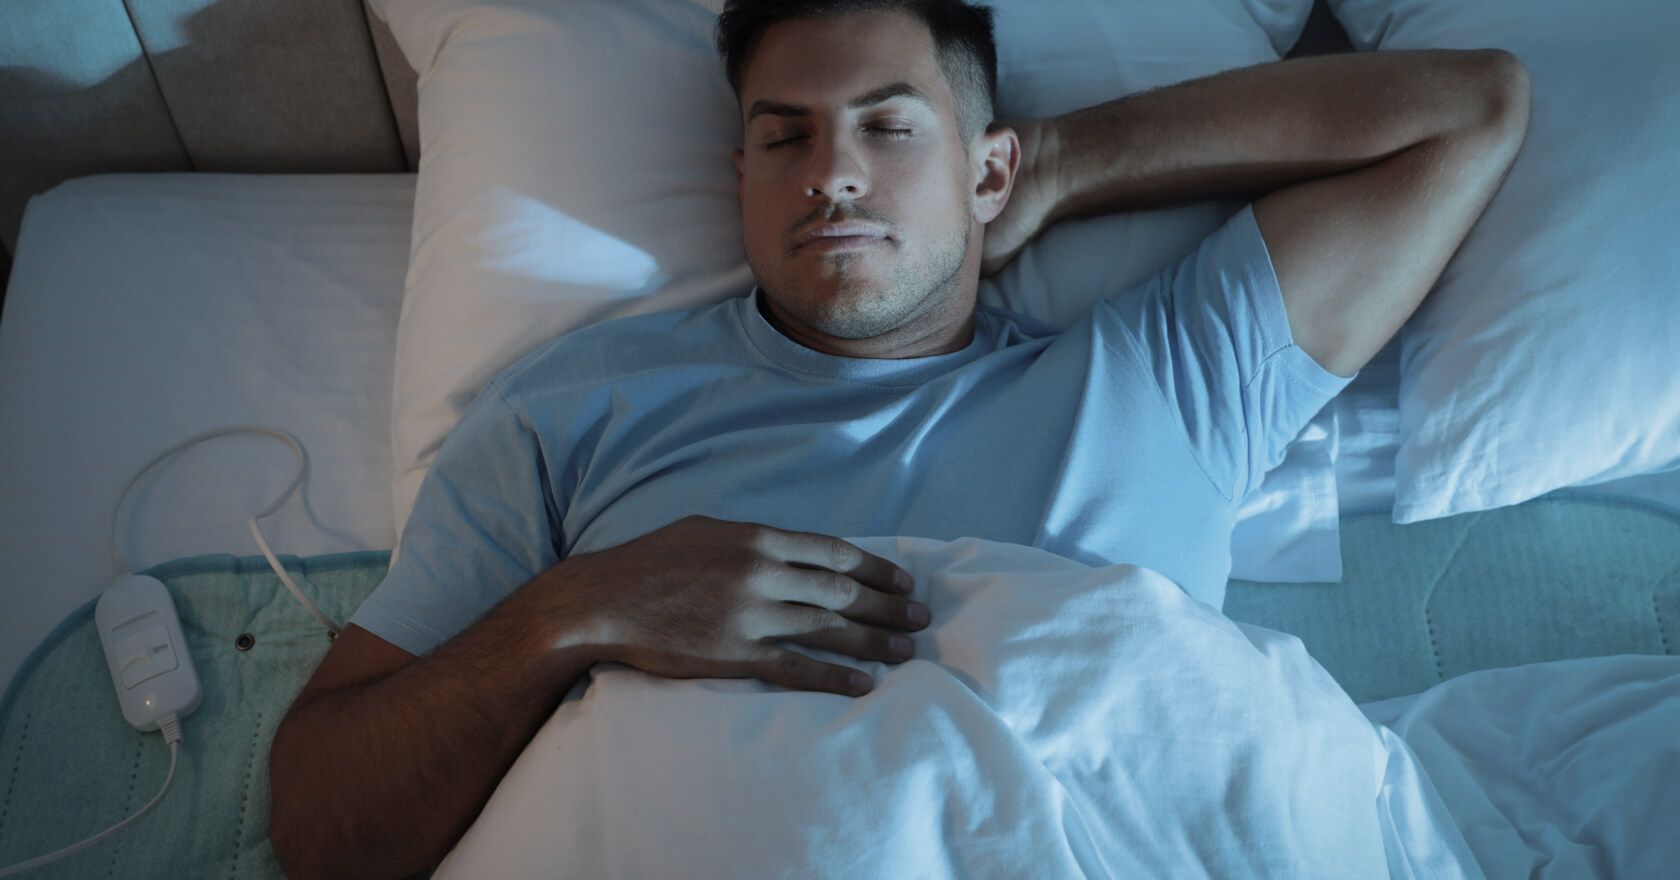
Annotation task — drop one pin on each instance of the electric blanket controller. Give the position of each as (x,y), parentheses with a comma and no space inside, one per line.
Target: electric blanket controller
(146,651)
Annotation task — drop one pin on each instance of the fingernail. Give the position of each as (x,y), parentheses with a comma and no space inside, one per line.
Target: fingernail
(899,646)
(860,682)
(918,614)
(902,579)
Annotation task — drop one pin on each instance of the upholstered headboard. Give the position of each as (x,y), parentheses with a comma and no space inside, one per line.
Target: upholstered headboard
(245,86)
(251,86)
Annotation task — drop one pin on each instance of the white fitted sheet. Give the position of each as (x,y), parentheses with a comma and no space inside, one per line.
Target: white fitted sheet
(145,309)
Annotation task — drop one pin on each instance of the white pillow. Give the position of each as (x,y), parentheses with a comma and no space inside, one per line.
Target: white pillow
(1549,353)
(575,166)
(1057,721)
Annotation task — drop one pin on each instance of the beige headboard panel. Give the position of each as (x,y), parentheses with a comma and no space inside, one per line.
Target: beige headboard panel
(249,86)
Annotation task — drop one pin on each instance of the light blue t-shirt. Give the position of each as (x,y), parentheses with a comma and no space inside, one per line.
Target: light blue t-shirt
(1129,438)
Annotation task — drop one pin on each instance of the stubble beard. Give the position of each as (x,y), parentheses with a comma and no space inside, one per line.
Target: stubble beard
(852,313)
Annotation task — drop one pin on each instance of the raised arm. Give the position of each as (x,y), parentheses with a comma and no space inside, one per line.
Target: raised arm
(1368,170)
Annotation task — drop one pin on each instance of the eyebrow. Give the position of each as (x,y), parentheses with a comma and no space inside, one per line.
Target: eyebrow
(870,98)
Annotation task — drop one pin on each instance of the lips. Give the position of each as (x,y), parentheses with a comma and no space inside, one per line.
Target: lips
(848,233)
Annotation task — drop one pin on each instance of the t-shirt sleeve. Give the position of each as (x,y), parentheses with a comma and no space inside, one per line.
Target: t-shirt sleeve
(1213,333)
(481,528)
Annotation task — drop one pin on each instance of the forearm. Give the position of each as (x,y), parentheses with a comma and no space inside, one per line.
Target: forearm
(382,779)
(1243,133)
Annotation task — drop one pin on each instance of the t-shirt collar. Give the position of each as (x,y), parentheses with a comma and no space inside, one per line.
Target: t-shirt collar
(879,371)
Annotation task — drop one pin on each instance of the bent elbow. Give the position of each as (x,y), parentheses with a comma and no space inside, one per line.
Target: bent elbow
(1509,92)
(286,836)
(293,858)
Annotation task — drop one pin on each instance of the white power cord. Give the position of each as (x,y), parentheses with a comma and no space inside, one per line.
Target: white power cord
(120,568)
(170,724)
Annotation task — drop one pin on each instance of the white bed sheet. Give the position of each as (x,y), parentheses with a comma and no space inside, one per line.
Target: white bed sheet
(145,309)
(1057,721)
(1064,721)
(1554,771)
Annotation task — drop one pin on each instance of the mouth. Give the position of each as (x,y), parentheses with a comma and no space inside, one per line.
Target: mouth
(844,236)
(830,244)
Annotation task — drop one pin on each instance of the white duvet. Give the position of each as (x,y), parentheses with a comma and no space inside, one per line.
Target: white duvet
(1057,721)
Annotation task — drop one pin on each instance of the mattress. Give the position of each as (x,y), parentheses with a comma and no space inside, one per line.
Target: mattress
(147,308)
(144,309)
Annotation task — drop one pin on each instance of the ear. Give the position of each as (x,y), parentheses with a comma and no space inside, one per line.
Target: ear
(1000,157)
(740,175)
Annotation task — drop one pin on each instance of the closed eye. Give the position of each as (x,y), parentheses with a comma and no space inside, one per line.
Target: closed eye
(892,133)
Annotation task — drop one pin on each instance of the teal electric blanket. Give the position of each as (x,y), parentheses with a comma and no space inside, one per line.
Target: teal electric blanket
(1548,580)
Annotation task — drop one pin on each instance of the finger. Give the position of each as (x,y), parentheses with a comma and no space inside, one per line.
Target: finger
(838,593)
(795,670)
(832,553)
(821,628)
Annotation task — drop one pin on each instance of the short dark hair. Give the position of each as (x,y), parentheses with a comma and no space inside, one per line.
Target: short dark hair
(962,36)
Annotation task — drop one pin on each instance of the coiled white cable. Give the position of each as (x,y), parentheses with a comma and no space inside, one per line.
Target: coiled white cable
(169,724)
(120,567)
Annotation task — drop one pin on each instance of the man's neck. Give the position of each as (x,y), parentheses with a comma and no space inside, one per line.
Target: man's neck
(926,334)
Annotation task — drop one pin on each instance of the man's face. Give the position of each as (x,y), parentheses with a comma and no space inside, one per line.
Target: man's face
(851,128)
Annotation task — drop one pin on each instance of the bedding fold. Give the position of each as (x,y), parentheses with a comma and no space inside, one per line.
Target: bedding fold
(1057,721)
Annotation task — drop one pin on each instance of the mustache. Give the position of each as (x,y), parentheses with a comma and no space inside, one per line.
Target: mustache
(831,213)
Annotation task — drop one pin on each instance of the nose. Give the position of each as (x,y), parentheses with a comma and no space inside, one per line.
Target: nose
(836,170)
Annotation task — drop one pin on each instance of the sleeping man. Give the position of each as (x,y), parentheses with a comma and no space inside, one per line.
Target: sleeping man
(666,491)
